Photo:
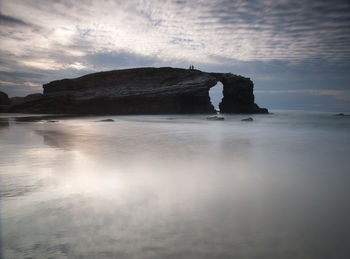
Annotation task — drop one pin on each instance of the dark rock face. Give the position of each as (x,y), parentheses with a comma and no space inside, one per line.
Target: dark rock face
(4,99)
(4,102)
(32,103)
(143,91)
(28,98)
(238,95)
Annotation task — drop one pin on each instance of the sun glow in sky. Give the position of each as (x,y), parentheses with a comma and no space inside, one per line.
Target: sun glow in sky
(295,50)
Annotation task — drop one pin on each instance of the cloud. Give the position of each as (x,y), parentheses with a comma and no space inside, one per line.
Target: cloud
(29,84)
(119,59)
(19,88)
(307,99)
(279,44)
(77,65)
(6,20)
(7,83)
(342,95)
(196,30)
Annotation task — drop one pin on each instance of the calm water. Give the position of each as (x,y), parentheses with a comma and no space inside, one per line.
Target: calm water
(176,187)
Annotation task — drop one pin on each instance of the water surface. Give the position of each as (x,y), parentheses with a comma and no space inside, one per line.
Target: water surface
(176,187)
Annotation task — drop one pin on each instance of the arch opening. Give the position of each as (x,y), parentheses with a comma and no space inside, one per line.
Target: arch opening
(216,95)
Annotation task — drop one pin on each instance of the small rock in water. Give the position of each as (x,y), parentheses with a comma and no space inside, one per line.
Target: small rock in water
(247,119)
(107,120)
(215,118)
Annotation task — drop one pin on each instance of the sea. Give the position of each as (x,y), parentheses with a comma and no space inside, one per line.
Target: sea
(175,186)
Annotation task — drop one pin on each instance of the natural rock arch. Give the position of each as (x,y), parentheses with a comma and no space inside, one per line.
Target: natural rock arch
(216,95)
(238,94)
(162,90)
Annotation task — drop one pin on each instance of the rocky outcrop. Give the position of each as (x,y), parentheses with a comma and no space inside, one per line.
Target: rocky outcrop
(27,99)
(143,91)
(4,102)
(4,99)
(9,104)
(27,104)
(238,95)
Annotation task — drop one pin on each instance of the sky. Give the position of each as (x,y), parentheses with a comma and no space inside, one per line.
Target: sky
(296,52)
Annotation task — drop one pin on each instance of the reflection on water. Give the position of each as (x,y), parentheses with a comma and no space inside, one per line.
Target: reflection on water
(175,187)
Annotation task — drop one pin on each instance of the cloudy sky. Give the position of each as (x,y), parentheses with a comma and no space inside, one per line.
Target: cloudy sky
(297,52)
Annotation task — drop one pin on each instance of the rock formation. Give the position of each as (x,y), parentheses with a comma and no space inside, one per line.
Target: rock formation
(4,102)
(27,99)
(143,91)
(4,99)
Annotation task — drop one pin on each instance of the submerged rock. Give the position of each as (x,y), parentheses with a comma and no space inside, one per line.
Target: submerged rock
(216,118)
(163,90)
(248,119)
(107,120)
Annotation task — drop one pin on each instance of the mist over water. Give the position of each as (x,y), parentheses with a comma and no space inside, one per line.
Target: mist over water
(176,187)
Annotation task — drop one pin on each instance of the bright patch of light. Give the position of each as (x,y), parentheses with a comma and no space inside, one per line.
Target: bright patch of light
(77,65)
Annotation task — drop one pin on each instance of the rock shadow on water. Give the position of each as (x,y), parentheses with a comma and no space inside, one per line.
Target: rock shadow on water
(4,123)
(58,139)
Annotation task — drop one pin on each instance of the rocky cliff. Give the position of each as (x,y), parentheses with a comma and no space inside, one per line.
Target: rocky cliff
(4,102)
(144,91)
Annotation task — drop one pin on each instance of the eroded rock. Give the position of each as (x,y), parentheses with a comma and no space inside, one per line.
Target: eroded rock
(4,99)
(163,90)
(4,102)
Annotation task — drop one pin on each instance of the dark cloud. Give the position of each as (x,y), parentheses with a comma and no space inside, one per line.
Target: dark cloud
(294,30)
(19,76)
(7,20)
